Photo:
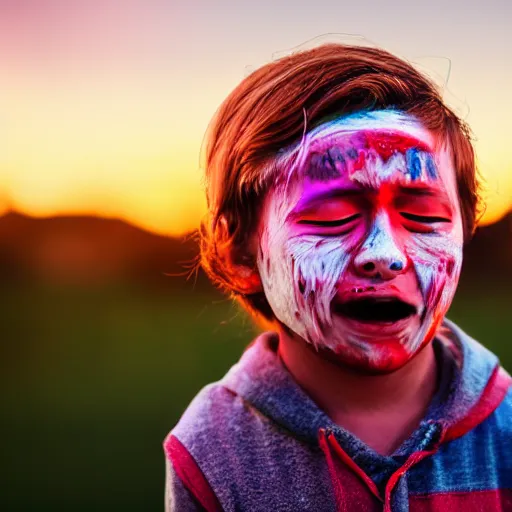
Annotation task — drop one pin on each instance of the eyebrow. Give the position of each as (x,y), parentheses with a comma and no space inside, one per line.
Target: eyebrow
(419,191)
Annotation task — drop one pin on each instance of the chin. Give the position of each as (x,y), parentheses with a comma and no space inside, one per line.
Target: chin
(381,362)
(374,349)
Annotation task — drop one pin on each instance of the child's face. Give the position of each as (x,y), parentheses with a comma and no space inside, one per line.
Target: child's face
(360,252)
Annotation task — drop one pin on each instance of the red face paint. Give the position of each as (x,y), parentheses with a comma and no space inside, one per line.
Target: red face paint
(362,247)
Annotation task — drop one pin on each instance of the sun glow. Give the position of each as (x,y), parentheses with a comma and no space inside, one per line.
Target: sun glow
(101,114)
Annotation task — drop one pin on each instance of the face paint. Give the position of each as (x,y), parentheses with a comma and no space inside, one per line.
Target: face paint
(369,212)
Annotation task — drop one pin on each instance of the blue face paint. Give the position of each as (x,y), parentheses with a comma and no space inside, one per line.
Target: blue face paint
(413,163)
(337,159)
(317,169)
(326,167)
(352,153)
(431,166)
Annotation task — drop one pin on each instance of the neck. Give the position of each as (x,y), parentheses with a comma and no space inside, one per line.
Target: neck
(382,410)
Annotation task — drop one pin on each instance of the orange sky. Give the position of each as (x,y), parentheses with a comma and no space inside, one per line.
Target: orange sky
(104,103)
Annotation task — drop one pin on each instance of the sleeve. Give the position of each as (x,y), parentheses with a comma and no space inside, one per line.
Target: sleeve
(177,497)
(186,487)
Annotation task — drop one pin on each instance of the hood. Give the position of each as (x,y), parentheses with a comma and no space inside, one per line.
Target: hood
(472,386)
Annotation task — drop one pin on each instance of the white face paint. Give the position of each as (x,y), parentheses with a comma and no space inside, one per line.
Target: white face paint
(371,212)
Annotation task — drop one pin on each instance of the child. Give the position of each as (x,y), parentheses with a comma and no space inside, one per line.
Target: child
(340,191)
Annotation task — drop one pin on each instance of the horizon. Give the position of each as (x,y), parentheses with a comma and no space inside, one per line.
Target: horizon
(141,227)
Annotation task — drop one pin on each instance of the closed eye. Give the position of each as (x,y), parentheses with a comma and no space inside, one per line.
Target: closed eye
(423,218)
(330,223)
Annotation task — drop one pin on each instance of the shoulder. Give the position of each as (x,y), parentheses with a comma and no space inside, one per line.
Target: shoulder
(493,436)
(192,447)
(225,444)
(230,412)
(218,416)
(496,426)
(501,416)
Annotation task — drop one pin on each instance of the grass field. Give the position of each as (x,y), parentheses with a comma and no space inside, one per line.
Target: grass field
(92,381)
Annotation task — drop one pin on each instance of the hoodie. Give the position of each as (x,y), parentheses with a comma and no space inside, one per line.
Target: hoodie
(255,441)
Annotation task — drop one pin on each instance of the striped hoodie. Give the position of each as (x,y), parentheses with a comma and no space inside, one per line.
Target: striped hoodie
(255,441)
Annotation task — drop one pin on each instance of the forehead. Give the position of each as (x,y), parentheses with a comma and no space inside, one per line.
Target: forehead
(379,120)
(369,149)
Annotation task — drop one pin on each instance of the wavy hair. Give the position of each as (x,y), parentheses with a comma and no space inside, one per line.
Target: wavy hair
(266,113)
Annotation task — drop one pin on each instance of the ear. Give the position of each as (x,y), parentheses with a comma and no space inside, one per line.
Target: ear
(246,280)
(243,274)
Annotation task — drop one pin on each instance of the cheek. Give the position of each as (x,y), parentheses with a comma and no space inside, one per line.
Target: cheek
(317,266)
(437,261)
(300,276)
(272,262)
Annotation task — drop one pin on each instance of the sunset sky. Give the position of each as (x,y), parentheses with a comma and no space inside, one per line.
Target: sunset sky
(104,103)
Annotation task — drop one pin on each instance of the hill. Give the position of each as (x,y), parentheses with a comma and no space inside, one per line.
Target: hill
(89,250)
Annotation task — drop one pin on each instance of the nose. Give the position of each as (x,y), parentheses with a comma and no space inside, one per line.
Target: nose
(380,255)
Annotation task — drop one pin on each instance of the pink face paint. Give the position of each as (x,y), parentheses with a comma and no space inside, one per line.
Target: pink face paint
(369,211)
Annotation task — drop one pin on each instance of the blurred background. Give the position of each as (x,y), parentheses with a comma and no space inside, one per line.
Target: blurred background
(103,107)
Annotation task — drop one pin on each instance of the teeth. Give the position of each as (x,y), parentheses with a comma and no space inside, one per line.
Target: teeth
(384,300)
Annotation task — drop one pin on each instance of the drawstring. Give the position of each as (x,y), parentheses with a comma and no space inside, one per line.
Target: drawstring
(328,442)
(413,459)
(338,493)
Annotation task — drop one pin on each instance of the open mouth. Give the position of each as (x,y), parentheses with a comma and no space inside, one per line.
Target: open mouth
(375,310)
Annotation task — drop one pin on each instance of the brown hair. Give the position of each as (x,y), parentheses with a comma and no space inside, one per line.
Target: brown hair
(265,113)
